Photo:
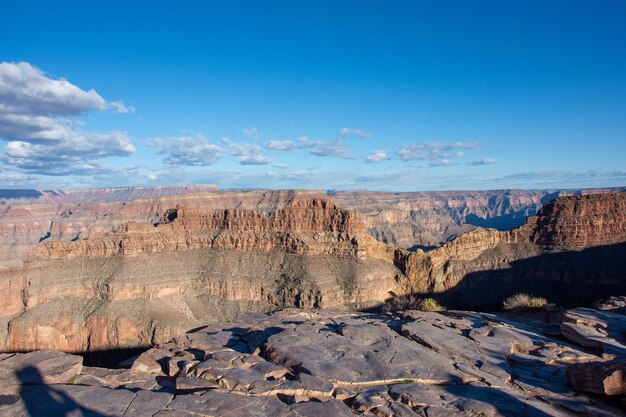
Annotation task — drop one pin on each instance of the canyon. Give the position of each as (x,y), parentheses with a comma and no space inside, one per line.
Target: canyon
(129,274)
(178,302)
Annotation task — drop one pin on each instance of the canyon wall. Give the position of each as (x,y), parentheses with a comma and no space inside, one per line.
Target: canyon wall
(119,275)
(141,284)
(406,220)
(573,250)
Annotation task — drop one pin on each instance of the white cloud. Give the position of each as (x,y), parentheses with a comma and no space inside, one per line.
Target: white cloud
(484,161)
(437,153)
(280,145)
(120,107)
(187,150)
(39,119)
(25,89)
(254,160)
(198,151)
(305,142)
(377,156)
(335,148)
(241,149)
(440,163)
(358,133)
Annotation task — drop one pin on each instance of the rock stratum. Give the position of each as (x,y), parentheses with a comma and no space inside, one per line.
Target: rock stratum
(406,220)
(572,251)
(296,363)
(141,283)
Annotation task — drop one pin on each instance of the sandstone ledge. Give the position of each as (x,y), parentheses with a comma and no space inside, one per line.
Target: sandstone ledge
(318,363)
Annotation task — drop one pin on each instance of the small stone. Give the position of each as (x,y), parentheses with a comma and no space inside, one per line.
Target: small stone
(153,361)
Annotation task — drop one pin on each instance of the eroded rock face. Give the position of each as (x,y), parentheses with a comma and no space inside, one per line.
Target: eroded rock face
(454,363)
(406,220)
(572,251)
(143,284)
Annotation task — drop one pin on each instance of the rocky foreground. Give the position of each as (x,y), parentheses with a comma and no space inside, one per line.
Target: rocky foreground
(328,363)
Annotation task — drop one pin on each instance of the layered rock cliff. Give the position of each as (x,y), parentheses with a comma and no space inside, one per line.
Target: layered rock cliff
(574,250)
(121,284)
(406,220)
(144,283)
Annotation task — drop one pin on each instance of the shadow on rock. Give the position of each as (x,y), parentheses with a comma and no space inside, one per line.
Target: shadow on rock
(41,399)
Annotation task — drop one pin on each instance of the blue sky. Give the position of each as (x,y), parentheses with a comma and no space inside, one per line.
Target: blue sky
(393,96)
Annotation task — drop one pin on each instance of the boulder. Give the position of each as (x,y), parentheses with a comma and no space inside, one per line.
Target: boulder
(608,378)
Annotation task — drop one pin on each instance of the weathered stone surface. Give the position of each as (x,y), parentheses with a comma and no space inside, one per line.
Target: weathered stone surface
(460,364)
(347,357)
(217,404)
(40,367)
(316,409)
(596,329)
(608,378)
(153,361)
(61,400)
(614,304)
(148,403)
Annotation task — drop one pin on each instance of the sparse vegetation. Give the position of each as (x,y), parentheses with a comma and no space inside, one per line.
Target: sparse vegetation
(412,302)
(524,302)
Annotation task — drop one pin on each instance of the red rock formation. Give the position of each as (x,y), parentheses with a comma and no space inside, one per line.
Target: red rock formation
(135,282)
(143,283)
(327,229)
(556,247)
(582,222)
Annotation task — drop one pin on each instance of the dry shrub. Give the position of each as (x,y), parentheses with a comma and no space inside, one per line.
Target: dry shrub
(412,302)
(521,302)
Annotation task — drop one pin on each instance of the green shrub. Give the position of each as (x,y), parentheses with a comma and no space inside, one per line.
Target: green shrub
(521,302)
(412,302)
(429,304)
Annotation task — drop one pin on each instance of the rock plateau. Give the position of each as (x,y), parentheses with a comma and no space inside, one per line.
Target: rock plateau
(297,363)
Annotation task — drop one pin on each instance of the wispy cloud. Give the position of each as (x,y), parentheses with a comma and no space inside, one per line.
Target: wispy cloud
(357,133)
(560,179)
(119,107)
(254,159)
(280,145)
(198,151)
(251,132)
(377,156)
(437,153)
(443,162)
(335,148)
(187,150)
(484,161)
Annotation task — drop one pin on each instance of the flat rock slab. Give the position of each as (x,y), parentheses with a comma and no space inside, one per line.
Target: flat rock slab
(363,353)
(219,404)
(70,400)
(297,363)
(40,367)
